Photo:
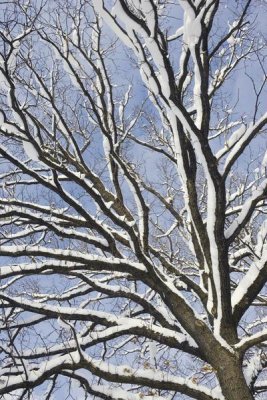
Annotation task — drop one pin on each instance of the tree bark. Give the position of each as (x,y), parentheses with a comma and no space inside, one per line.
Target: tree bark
(231,378)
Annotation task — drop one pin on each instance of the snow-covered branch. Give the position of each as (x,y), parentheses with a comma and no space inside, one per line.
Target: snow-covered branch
(132,199)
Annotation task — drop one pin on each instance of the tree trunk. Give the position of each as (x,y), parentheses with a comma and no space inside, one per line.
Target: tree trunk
(232,380)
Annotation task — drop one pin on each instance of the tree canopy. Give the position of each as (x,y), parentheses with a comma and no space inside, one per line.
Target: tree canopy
(133,199)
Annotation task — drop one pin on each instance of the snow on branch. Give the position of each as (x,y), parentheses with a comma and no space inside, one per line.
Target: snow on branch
(132,199)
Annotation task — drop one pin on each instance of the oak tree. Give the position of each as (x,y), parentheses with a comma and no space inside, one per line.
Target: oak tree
(133,199)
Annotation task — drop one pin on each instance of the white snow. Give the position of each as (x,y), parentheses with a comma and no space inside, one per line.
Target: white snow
(30,150)
(244,138)
(12,60)
(75,255)
(253,367)
(234,138)
(248,279)
(175,35)
(192,25)
(245,209)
